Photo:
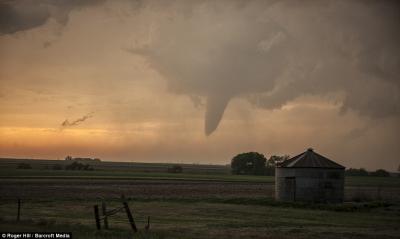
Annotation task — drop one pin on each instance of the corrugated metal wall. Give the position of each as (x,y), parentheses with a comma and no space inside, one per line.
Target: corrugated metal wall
(309,184)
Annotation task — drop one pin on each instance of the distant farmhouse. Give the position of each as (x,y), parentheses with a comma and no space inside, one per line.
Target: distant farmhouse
(69,158)
(309,177)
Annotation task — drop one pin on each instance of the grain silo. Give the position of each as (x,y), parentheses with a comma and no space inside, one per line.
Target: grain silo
(309,177)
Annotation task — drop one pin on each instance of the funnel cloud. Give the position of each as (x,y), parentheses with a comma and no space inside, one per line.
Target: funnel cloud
(273,52)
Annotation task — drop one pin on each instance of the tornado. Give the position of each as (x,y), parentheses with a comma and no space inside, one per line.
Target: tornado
(215,108)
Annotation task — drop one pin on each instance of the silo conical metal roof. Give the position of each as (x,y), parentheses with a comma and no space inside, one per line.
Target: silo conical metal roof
(309,159)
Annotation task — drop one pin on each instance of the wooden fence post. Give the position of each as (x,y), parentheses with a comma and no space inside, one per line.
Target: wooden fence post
(130,217)
(147,227)
(96,217)
(104,210)
(19,210)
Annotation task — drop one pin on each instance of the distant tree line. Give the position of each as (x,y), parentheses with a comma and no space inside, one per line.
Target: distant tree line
(253,163)
(363,172)
(273,161)
(73,166)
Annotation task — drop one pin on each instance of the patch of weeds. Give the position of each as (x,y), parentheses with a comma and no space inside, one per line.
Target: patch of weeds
(361,197)
(343,207)
(46,222)
(350,207)
(113,234)
(296,230)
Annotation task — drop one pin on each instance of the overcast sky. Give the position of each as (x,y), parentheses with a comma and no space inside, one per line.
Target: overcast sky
(200,81)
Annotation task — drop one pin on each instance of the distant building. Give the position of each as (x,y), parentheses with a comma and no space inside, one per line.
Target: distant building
(309,177)
(69,158)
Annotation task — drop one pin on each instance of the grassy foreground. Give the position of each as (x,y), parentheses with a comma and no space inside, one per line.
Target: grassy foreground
(206,202)
(208,219)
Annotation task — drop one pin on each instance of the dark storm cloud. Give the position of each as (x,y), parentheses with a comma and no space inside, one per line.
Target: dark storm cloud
(269,52)
(21,15)
(273,52)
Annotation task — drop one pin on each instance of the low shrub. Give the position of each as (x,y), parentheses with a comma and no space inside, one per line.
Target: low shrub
(175,169)
(79,166)
(24,166)
(57,167)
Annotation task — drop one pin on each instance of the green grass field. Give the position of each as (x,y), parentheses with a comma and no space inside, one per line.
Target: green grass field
(133,170)
(203,219)
(203,202)
(131,175)
(36,173)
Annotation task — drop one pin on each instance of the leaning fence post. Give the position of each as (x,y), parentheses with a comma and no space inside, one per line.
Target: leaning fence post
(129,214)
(19,210)
(96,216)
(104,211)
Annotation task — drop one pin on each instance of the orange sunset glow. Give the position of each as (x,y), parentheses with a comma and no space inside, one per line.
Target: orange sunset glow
(200,81)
